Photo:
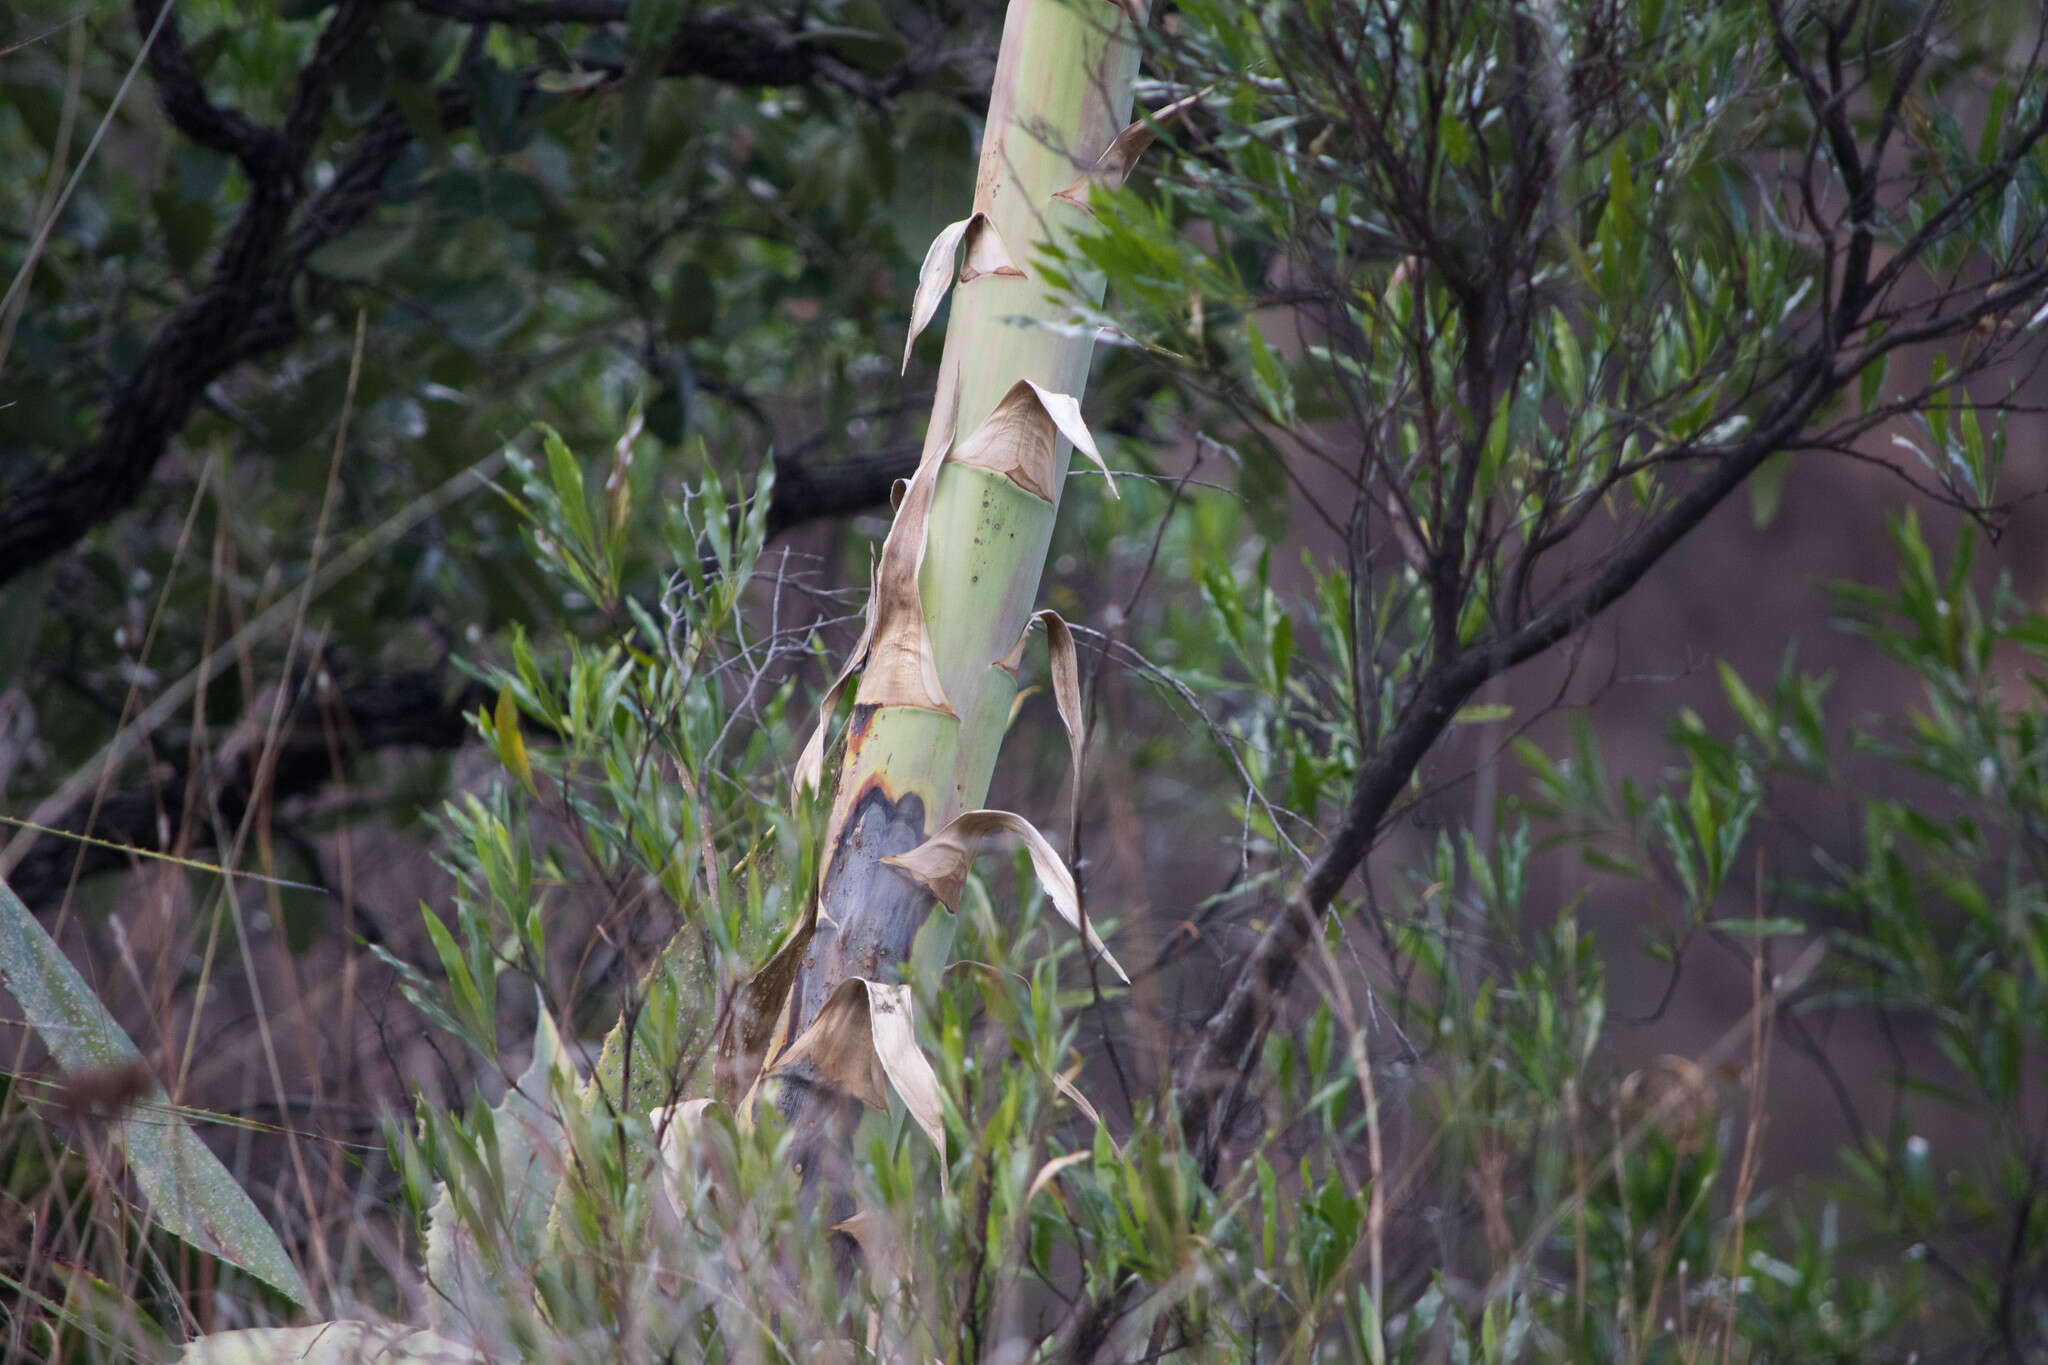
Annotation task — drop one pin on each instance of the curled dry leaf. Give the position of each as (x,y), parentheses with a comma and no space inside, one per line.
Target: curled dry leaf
(1113,167)
(840,1045)
(1064,1083)
(1066,684)
(1017,439)
(986,255)
(941,864)
(909,1072)
(864,1038)
(880,1247)
(1066,692)
(901,669)
(677,1124)
(1050,1170)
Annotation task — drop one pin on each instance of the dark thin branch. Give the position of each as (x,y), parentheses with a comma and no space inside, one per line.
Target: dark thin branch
(1212,1079)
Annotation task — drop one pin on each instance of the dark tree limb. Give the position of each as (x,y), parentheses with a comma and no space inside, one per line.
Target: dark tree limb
(203,337)
(417,708)
(246,308)
(808,490)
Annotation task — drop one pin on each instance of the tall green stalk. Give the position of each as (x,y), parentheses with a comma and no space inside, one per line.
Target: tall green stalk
(954,588)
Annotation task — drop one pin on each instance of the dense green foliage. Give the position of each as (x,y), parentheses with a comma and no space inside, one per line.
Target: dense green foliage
(1472,309)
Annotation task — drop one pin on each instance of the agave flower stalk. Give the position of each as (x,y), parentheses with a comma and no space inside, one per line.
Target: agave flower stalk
(953,593)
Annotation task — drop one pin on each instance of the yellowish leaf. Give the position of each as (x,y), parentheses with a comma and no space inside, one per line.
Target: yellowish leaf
(511,744)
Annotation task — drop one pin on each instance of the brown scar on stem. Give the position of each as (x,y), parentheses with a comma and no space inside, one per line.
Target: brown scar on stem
(863,718)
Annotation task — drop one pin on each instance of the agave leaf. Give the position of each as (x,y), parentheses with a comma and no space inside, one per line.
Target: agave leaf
(328,1343)
(189,1192)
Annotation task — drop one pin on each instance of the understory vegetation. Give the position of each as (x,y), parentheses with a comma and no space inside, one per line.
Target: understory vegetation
(1430,327)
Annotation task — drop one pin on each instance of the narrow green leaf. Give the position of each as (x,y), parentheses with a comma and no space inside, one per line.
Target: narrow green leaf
(567,477)
(1759,928)
(1751,711)
(189,1192)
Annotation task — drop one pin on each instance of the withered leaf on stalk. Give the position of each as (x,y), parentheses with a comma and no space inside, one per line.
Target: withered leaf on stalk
(880,1246)
(677,1123)
(840,1044)
(986,255)
(1114,166)
(910,1073)
(864,1038)
(941,864)
(1066,685)
(1017,439)
(1064,1083)
(901,669)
